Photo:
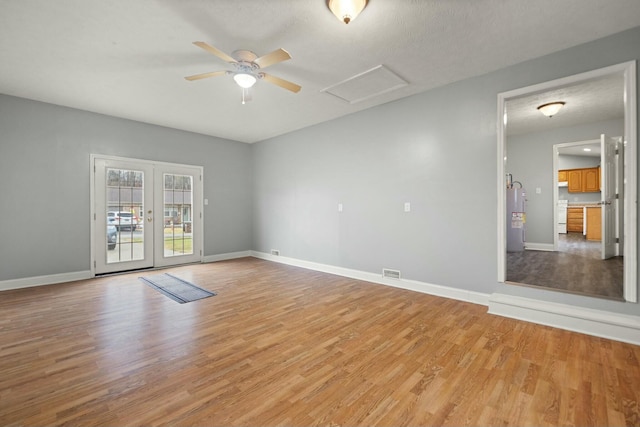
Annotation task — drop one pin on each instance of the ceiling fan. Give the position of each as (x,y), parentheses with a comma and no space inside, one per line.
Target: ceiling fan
(248,68)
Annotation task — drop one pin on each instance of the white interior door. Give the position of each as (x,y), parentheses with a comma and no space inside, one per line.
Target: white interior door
(608,194)
(620,197)
(146,214)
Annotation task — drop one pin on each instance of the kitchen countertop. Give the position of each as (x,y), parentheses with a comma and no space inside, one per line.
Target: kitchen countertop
(584,205)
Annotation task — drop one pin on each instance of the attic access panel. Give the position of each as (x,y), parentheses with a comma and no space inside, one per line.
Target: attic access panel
(369,84)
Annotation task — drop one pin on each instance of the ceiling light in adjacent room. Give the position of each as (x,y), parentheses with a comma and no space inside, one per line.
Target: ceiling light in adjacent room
(346,10)
(244,80)
(551,109)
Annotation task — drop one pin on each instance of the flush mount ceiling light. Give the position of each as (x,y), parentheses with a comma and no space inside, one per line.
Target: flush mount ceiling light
(551,109)
(245,81)
(346,10)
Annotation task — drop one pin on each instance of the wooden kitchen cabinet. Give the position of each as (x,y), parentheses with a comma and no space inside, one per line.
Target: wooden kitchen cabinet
(594,223)
(591,180)
(575,219)
(574,176)
(584,180)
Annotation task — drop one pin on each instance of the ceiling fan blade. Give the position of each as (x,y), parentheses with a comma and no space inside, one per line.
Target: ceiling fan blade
(272,58)
(281,82)
(205,75)
(220,54)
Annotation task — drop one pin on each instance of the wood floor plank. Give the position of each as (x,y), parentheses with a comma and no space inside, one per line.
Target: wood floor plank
(280,345)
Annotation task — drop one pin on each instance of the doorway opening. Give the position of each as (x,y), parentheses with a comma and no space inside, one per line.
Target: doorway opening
(542,209)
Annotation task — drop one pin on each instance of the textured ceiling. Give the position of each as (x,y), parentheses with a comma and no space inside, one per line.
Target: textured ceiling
(593,101)
(128,58)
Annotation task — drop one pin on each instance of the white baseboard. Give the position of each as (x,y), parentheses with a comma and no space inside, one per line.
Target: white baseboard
(539,246)
(412,285)
(230,255)
(50,279)
(599,323)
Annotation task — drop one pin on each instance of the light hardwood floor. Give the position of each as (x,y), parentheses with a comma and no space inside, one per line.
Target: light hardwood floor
(281,345)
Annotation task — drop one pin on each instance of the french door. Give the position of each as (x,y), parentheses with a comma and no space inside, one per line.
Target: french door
(145,214)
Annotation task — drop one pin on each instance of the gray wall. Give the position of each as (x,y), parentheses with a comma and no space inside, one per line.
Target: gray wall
(437,150)
(44,171)
(577,162)
(530,160)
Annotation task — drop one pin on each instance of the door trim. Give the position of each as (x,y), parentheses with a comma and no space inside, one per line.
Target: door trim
(92,158)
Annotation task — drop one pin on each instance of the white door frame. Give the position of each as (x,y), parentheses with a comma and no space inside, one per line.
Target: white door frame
(158,215)
(628,69)
(556,196)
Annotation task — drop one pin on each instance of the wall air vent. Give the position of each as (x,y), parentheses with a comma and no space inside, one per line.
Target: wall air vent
(275,252)
(391,274)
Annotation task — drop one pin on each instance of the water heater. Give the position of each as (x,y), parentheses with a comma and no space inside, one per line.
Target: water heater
(516,219)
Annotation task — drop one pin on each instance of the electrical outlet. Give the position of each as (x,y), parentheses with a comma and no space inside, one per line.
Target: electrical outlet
(275,252)
(407,207)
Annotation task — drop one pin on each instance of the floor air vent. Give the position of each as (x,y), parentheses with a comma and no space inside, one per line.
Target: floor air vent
(391,274)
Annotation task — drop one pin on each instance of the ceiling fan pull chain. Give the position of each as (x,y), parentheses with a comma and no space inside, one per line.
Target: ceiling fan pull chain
(245,95)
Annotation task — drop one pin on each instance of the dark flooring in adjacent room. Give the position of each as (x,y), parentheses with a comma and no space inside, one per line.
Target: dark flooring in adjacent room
(576,267)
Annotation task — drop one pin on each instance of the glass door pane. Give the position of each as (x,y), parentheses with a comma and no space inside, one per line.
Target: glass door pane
(125,207)
(178,221)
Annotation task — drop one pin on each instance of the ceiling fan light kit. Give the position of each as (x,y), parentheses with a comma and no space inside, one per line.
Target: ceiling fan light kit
(551,109)
(245,81)
(346,10)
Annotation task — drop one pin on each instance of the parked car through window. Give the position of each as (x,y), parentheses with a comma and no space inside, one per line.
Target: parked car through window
(122,220)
